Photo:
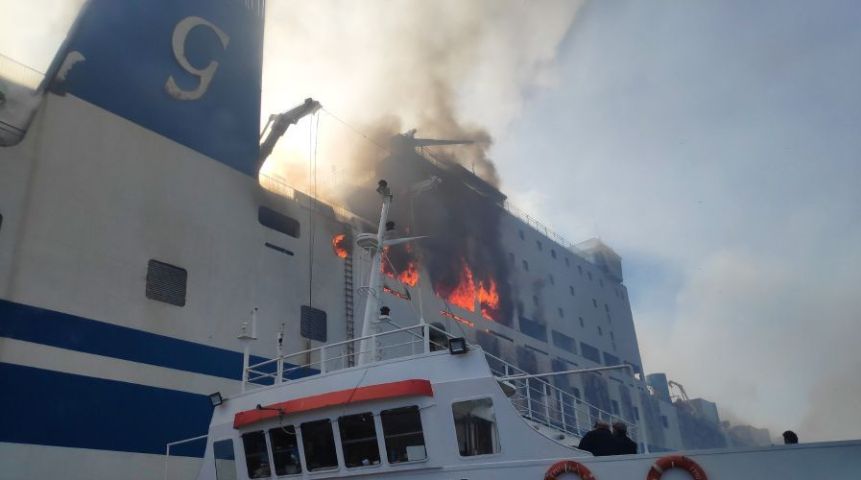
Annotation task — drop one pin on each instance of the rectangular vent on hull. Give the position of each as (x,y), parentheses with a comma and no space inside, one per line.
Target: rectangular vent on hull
(166,283)
(313,324)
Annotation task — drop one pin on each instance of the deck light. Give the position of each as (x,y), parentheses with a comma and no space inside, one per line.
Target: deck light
(457,346)
(215,399)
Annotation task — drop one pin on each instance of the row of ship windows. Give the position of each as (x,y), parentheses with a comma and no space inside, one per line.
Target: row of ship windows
(403,440)
(525,265)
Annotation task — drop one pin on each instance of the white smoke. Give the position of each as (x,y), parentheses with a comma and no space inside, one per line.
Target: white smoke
(448,68)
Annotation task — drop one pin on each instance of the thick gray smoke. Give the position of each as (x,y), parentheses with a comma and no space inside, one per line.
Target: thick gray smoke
(451,70)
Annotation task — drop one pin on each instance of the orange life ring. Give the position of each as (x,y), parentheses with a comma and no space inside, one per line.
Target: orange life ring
(676,461)
(568,466)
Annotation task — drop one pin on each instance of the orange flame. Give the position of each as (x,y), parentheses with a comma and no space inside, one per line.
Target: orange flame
(408,276)
(467,290)
(463,294)
(488,300)
(339,245)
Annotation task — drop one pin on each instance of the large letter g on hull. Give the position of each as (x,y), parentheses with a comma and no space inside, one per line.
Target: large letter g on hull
(205,75)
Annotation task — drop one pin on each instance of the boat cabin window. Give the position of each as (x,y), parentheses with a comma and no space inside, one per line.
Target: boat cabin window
(475,424)
(256,455)
(225,460)
(318,441)
(285,450)
(402,431)
(359,440)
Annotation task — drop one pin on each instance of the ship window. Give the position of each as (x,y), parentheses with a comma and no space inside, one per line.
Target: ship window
(564,342)
(520,234)
(285,450)
(166,283)
(583,325)
(600,332)
(278,222)
(511,258)
(552,280)
(318,442)
(534,329)
(561,312)
(359,440)
(580,269)
(664,421)
(614,406)
(256,455)
(606,308)
(538,244)
(475,424)
(571,289)
(402,430)
(312,323)
(595,303)
(553,253)
(590,352)
(225,460)
(525,266)
(589,274)
(611,360)
(567,262)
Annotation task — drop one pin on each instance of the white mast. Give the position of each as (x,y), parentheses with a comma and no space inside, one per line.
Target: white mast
(373,244)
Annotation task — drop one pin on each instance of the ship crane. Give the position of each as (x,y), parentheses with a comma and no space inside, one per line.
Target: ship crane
(683,395)
(280,122)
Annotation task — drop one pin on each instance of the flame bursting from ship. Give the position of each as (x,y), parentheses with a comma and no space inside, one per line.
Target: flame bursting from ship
(339,245)
(468,290)
(409,273)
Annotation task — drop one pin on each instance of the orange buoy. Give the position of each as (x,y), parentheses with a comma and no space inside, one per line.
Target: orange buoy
(676,461)
(568,466)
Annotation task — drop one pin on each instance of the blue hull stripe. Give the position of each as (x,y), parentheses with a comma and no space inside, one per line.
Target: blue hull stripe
(60,409)
(48,327)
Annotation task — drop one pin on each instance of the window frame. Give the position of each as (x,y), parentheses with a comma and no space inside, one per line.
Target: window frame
(299,447)
(265,433)
(374,419)
(500,451)
(336,439)
(382,438)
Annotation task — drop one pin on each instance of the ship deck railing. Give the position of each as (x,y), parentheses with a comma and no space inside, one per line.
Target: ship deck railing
(544,403)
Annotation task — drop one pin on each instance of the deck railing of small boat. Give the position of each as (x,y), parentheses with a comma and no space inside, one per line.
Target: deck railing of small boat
(552,405)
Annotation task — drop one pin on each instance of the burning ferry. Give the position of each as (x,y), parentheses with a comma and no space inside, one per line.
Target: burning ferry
(137,237)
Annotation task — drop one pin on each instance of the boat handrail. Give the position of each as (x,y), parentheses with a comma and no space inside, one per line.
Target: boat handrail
(535,398)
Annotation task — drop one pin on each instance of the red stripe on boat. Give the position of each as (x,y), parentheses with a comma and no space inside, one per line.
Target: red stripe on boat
(383,391)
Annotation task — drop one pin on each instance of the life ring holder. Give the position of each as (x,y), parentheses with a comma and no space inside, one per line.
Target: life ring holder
(676,461)
(568,466)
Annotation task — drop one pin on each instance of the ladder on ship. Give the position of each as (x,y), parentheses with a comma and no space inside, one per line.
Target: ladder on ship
(348,309)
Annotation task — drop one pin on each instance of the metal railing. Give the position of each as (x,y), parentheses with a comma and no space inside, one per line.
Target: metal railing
(534,398)
(191,464)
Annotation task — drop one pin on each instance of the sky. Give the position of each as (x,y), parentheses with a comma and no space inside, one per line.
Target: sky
(713,145)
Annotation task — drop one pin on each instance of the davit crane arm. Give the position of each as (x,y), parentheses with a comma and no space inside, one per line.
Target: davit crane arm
(279,123)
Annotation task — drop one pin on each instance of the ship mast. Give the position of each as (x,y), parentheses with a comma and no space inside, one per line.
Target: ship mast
(374,244)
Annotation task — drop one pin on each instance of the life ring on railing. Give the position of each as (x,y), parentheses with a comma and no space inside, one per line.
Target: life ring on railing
(568,466)
(676,461)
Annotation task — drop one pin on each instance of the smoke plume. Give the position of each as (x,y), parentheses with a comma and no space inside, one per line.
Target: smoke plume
(449,69)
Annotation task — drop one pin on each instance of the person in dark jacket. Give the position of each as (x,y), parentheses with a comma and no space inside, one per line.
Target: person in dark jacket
(598,441)
(790,437)
(623,445)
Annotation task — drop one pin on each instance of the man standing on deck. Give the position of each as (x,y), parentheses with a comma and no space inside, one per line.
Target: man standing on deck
(599,441)
(623,445)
